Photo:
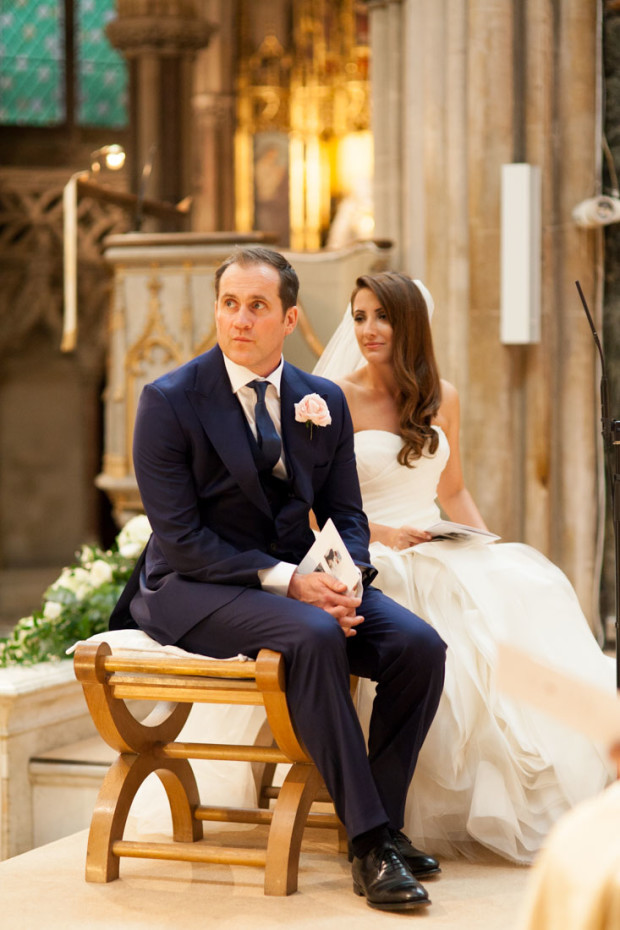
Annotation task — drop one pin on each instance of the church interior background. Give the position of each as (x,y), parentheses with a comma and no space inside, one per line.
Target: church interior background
(321,125)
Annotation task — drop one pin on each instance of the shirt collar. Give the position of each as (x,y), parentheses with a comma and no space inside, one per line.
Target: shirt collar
(240,375)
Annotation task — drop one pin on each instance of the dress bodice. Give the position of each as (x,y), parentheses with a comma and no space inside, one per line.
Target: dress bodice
(392,493)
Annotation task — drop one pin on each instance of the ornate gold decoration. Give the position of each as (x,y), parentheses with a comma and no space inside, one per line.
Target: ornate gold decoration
(118,322)
(187,312)
(155,336)
(312,85)
(207,343)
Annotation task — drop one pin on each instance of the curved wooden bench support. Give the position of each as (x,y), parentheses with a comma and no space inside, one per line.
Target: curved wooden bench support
(114,801)
(287,826)
(109,680)
(116,724)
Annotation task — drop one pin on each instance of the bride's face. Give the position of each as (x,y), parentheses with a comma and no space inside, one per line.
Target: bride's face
(373,330)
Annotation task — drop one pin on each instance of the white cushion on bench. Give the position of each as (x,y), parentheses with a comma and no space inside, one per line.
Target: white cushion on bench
(139,641)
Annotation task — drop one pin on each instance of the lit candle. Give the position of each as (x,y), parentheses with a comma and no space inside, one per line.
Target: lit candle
(69,205)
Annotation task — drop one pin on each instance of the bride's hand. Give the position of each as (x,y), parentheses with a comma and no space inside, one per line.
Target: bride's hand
(405,536)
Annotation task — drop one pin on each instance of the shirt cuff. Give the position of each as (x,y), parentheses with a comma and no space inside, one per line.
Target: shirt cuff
(358,590)
(369,573)
(275,580)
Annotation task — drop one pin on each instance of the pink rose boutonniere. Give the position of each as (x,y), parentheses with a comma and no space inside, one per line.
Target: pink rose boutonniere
(313,411)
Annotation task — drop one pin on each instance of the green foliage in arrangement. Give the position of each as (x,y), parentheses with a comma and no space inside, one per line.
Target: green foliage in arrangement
(79,603)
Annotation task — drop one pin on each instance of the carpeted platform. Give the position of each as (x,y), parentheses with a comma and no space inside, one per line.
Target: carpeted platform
(46,888)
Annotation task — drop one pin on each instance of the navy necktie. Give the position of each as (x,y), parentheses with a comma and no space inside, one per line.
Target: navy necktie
(266,434)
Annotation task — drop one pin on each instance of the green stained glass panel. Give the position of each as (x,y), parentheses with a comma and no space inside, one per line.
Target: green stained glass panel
(101,73)
(32,68)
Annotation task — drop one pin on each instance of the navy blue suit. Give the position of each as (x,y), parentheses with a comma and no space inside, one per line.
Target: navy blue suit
(215,525)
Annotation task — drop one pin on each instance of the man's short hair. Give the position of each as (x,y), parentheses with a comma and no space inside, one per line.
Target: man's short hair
(258,255)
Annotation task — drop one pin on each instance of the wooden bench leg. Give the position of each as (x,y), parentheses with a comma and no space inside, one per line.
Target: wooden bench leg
(287,826)
(263,773)
(114,802)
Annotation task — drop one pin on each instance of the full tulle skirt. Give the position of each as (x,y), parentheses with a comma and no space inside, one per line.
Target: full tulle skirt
(492,771)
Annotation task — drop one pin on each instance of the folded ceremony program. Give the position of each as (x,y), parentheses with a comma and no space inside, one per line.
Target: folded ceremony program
(459,532)
(329,554)
(575,702)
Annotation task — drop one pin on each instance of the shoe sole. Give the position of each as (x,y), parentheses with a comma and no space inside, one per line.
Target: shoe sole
(396,906)
(430,874)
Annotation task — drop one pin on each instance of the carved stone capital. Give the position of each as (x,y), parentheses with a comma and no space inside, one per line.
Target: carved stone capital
(379,4)
(133,35)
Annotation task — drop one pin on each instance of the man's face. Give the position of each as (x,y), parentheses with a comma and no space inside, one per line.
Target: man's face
(251,325)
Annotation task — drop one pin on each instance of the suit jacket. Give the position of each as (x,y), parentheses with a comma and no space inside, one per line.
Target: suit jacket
(213,526)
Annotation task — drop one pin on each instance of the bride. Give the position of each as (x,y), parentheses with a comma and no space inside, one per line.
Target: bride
(491,771)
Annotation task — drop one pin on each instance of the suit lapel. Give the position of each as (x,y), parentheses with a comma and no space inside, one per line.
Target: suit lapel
(224,422)
(295,435)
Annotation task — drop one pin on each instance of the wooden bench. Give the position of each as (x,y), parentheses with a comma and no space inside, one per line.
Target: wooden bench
(108,680)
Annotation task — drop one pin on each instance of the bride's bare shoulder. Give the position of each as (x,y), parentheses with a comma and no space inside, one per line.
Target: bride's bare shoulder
(449,408)
(449,394)
(351,382)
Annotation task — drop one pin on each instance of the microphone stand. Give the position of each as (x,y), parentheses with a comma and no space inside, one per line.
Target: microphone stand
(611,447)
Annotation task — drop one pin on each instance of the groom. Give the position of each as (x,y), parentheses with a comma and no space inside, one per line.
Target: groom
(228,477)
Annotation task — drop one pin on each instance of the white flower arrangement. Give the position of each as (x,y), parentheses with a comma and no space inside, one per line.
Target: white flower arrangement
(79,603)
(133,537)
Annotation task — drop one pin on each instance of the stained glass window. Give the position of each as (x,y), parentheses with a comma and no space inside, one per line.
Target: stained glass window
(101,74)
(32,63)
(34,58)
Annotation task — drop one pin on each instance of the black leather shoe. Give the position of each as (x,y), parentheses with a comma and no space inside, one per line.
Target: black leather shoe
(421,865)
(386,882)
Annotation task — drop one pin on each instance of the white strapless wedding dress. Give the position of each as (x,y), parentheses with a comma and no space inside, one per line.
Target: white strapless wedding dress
(491,771)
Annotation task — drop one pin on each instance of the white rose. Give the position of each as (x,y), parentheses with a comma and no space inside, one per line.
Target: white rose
(26,623)
(52,610)
(86,554)
(76,580)
(63,580)
(100,572)
(133,537)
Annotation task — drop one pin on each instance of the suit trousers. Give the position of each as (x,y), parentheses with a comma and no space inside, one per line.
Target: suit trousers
(392,646)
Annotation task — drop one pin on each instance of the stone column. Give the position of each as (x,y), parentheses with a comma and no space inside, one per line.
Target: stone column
(491,421)
(386,41)
(214,118)
(573,146)
(160,39)
(482,83)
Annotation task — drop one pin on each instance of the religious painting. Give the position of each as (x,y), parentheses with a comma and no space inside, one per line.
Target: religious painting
(271,184)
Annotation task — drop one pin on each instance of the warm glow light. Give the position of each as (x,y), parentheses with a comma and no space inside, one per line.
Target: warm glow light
(111,157)
(366,226)
(354,162)
(296,190)
(313,187)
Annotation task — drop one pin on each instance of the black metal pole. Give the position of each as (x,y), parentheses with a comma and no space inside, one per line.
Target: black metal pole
(611,447)
(616,518)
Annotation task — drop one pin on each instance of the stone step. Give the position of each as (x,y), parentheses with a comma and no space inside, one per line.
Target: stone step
(65,782)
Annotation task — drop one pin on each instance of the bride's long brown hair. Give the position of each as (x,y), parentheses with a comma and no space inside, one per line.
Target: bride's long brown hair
(413,359)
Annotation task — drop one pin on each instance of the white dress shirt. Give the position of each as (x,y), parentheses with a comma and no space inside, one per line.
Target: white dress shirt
(277,579)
